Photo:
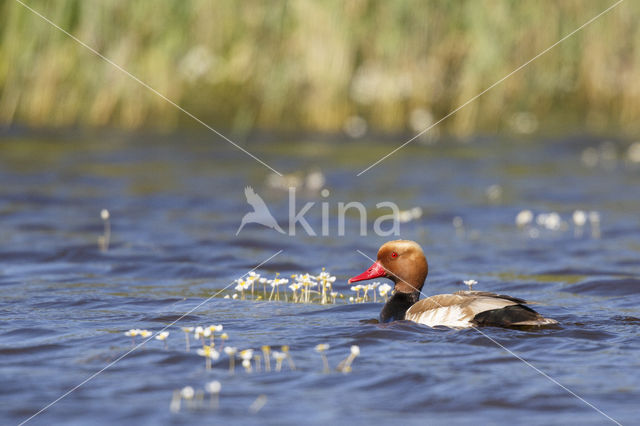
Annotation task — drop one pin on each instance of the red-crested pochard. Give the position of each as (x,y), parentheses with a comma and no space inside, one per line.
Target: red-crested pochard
(404,263)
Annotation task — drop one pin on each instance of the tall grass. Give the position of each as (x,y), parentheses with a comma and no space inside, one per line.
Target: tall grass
(241,65)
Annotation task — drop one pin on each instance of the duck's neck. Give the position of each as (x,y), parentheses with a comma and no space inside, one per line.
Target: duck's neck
(397,306)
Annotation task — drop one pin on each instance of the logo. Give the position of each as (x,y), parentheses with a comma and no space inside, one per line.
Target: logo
(260,214)
(384,225)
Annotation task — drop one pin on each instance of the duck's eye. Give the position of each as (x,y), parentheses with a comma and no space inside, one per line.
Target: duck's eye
(394,254)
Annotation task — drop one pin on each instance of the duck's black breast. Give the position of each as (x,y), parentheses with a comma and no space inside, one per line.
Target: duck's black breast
(396,307)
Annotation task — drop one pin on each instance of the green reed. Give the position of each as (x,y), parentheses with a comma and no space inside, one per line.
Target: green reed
(314,65)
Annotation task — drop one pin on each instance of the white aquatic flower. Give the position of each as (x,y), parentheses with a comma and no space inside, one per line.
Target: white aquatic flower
(278,281)
(579,218)
(351,299)
(295,286)
(334,294)
(470,283)
(187,392)
(524,218)
(553,221)
(132,333)
(242,285)
(355,350)
(323,275)
(198,332)
(162,335)
(322,347)
(144,333)
(230,350)
(235,296)
(384,289)
(104,214)
(246,354)
(227,296)
(213,387)
(262,280)
(356,287)
(279,356)
(208,352)
(187,329)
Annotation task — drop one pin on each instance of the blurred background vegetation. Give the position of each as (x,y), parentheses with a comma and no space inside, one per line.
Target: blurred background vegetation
(328,66)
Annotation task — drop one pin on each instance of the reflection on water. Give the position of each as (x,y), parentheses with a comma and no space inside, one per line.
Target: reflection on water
(175,203)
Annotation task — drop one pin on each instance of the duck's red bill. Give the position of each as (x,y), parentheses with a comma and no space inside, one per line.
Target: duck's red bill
(375,271)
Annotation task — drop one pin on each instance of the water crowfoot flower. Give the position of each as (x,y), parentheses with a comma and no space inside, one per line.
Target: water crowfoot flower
(242,286)
(357,289)
(524,218)
(210,332)
(295,287)
(223,338)
(187,393)
(285,349)
(144,333)
(231,353)
(256,361)
(246,356)
(199,334)
(325,279)
(176,399)
(103,240)
(279,357)
(214,388)
(187,330)
(253,277)
(132,333)
(579,220)
(345,366)
(321,348)
(470,283)
(209,353)
(263,281)
(384,290)
(266,350)
(162,336)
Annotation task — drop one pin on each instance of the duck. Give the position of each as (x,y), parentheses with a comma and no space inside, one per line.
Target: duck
(404,263)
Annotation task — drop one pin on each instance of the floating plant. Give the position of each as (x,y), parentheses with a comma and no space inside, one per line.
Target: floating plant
(321,349)
(209,353)
(162,336)
(103,240)
(470,283)
(231,353)
(345,366)
(213,388)
(187,331)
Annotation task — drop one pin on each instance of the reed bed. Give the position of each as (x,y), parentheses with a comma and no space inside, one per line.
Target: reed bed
(321,66)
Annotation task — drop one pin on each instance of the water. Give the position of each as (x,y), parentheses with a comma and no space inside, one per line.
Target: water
(176,203)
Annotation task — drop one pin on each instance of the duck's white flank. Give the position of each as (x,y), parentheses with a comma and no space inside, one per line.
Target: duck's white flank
(459,309)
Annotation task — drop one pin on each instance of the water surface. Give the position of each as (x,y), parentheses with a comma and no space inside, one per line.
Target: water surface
(176,203)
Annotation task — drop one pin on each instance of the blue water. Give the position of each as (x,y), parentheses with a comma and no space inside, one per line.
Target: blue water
(176,202)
